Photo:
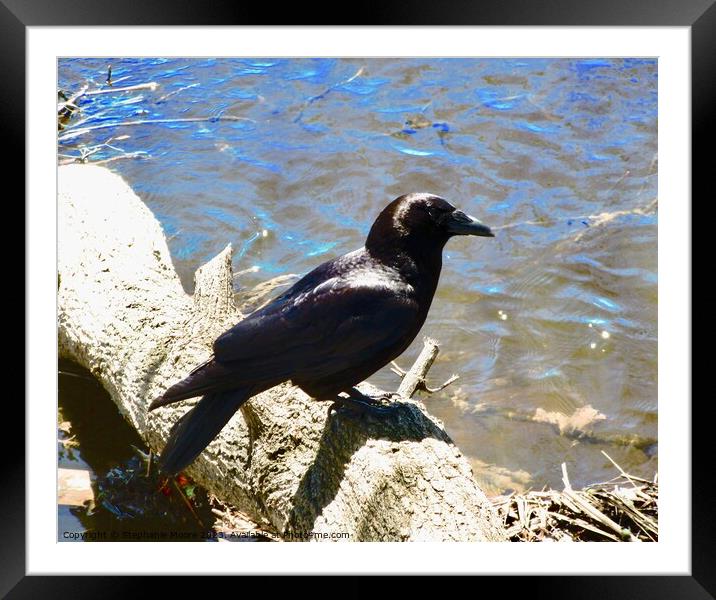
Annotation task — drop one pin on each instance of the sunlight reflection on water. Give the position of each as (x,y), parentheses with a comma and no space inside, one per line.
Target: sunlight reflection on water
(558,312)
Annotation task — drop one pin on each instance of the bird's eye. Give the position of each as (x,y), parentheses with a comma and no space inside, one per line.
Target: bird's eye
(437,214)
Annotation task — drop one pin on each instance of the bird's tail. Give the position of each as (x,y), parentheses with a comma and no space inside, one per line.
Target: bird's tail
(194,431)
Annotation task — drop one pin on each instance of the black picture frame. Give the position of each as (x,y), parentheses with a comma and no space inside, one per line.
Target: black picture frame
(700,15)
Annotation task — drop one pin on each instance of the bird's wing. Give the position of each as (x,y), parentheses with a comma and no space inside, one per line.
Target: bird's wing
(315,330)
(333,321)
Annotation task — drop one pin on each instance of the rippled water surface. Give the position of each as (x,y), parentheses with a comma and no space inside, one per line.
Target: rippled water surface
(551,325)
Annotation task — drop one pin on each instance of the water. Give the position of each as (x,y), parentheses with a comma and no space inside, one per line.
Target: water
(556,317)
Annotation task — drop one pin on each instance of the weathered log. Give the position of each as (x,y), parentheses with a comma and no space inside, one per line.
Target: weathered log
(283,459)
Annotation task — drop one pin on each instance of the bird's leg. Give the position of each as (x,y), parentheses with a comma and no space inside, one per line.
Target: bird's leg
(361,403)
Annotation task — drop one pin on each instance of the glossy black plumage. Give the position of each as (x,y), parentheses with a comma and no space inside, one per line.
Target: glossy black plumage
(334,328)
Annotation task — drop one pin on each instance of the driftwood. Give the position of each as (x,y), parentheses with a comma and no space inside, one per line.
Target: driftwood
(283,459)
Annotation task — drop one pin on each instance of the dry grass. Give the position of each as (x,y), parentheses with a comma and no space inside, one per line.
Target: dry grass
(624,509)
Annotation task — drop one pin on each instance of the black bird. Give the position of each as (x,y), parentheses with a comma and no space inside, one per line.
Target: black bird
(334,328)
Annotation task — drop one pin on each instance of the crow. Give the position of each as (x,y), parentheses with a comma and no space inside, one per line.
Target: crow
(331,330)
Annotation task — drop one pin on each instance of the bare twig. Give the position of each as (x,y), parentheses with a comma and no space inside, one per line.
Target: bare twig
(416,375)
(84,156)
(88,118)
(584,525)
(397,370)
(70,102)
(414,379)
(598,516)
(447,382)
(565,477)
(611,460)
(72,133)
(153,85)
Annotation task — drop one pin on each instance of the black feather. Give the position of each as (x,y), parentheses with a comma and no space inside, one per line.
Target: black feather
(196,428)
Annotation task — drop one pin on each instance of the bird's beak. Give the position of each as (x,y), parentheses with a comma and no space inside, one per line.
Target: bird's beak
(458,223)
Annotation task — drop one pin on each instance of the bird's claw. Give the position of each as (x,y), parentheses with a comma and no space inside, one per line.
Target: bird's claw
(368,406)
(387,396)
